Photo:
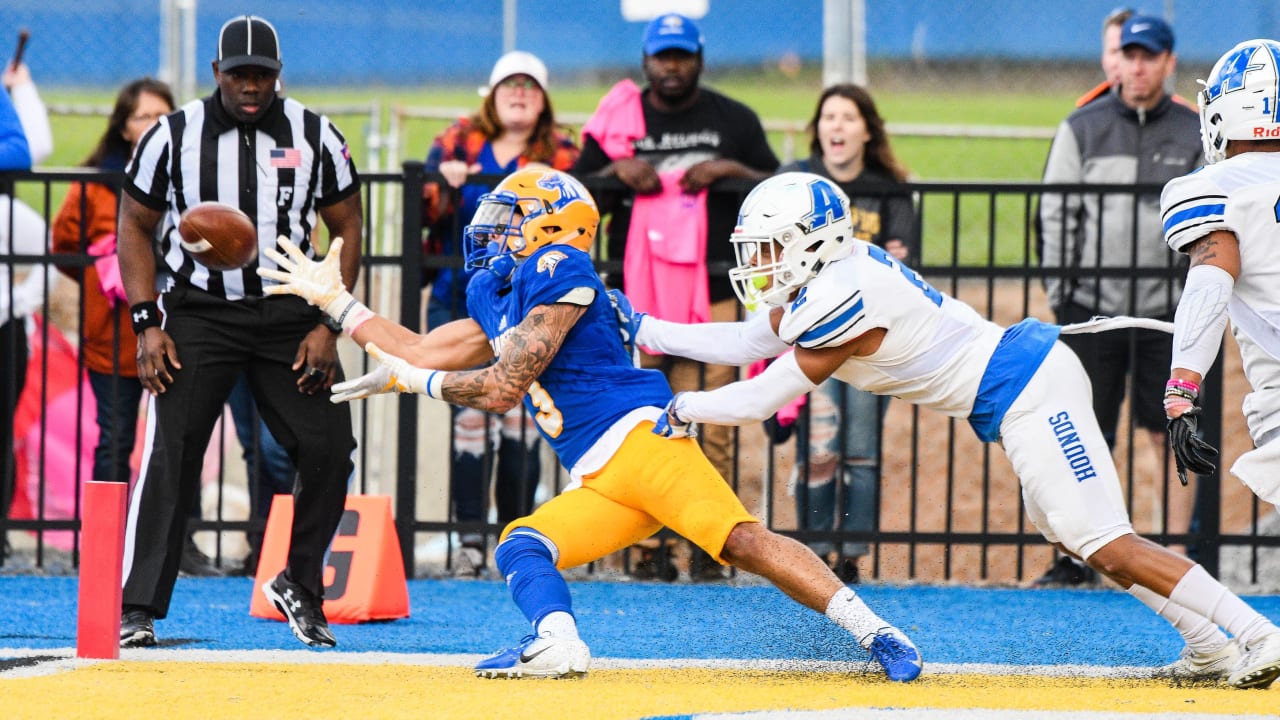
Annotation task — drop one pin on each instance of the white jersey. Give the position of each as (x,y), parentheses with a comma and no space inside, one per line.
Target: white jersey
(1240,195)
(935,350)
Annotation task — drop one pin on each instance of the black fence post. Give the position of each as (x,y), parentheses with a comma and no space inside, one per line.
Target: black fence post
(1208,503)
(410,299)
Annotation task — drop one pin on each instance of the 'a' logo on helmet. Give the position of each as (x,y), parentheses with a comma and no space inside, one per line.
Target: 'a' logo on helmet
(826,205)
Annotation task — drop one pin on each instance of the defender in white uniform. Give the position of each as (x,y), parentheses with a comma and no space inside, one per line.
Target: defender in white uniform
(850,311)
(1227,218)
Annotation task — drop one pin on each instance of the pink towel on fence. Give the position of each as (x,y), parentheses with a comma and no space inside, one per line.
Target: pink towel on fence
(618,120)
(108,267)
(665,264)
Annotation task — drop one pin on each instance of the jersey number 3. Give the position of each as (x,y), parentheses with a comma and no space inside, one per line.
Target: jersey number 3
(548,417)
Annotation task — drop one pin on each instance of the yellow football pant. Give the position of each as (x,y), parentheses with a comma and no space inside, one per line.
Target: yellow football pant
(650,482)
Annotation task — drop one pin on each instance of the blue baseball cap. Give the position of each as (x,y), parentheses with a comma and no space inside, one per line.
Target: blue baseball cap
(672,31)
(1149,32)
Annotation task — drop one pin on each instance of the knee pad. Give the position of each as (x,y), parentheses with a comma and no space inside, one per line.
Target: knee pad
(525,543)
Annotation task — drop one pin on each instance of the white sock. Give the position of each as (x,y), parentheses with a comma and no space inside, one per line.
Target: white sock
(559,625)
(1200,593)
(848,611)
(1200,634)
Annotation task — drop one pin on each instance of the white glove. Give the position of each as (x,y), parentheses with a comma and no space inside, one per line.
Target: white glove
(319,283)
(408,378)
(392,374)
(375,382)
(671,426)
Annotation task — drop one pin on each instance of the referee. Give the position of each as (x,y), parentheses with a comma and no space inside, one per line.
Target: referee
(200,329)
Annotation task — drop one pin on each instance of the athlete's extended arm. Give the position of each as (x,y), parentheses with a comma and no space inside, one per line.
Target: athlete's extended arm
(527,350)
(722,343)
(454,346)
(754,400)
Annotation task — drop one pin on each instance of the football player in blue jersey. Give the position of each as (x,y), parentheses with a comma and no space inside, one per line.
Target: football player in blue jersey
(540,315)
(851,311)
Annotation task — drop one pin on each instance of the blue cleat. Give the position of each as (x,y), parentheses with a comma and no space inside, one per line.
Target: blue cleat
(538,657)
(896,654)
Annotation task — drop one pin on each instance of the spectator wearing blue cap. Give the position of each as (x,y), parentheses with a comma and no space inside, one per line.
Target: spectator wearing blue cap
(1135,134)
(691,137)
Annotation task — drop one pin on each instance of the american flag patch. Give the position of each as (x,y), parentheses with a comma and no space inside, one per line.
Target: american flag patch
(286,158)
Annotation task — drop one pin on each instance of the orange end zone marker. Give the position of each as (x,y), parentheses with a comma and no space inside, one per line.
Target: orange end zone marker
(364,572)
(103,513)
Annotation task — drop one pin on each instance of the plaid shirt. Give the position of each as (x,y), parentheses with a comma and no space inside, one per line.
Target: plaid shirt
(463,141)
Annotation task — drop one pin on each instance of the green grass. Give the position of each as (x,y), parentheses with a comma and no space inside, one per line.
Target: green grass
(773,97)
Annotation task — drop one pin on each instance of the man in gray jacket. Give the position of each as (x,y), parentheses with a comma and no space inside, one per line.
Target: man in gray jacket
(1137,134)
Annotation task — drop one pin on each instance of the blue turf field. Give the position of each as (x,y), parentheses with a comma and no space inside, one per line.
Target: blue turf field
(651,621)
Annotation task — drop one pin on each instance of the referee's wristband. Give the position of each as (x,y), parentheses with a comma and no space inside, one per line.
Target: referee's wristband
(144,315)
(332,324)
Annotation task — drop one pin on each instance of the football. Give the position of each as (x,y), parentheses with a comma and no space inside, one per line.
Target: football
(218,236)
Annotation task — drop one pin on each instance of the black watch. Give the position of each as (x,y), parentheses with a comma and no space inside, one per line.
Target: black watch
(330,323)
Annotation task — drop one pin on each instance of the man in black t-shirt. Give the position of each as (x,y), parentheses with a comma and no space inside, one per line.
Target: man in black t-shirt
(689,128)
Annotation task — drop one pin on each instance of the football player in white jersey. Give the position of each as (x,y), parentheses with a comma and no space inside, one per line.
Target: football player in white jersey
(850,311)
(1227,218)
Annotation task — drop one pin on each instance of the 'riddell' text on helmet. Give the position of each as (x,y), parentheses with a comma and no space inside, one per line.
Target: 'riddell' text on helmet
(530,208)
(789,227)
(1239,99)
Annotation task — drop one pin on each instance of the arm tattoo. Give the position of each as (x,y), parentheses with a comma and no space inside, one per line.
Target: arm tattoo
(526,351)
(1203,250)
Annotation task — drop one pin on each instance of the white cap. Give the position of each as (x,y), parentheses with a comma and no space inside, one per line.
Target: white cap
(516,62)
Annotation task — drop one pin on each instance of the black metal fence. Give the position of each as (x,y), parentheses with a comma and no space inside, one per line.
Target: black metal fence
(947,508)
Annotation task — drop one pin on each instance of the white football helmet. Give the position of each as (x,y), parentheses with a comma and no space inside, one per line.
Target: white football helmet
(789,227)
(1239,99)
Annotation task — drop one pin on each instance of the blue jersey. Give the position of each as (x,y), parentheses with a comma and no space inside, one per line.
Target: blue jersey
(591,383)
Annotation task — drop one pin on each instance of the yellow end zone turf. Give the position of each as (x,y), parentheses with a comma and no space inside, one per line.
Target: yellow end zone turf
(128,689)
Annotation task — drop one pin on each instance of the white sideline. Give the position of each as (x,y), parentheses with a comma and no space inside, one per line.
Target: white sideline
(65,660)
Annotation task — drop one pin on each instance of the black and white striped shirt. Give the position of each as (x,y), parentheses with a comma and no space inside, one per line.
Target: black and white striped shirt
(278,171)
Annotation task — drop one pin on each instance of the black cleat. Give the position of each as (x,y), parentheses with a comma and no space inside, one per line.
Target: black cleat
(1066,572)
(137,628)
(847,570)
(302,609)
(196,563)
(655,564)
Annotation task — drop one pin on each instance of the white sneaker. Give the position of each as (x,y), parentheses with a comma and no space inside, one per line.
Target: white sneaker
(1194,667)
(538,657)
(468,562)
(1260,665)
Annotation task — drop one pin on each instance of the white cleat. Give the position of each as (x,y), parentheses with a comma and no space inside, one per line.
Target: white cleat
(538,657)
(1260,665)
(1192,667)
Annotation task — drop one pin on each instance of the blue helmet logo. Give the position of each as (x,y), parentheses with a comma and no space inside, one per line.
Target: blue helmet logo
(827,207)
(1231,77)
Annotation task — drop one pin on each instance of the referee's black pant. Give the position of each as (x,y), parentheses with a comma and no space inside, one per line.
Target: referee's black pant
(218,340)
